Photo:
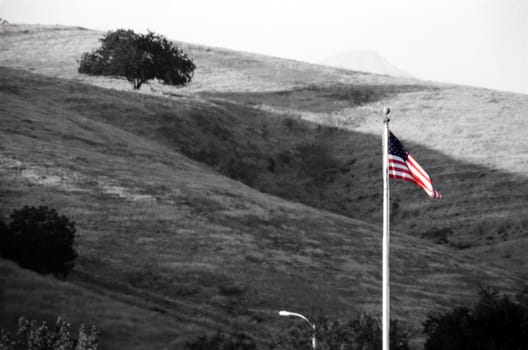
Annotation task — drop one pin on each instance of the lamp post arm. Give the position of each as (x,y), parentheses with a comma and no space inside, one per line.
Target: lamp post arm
(312,325)
(303,317)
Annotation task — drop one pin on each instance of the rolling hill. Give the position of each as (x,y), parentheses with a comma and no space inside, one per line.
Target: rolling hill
(364,61)
(481,130)
(253,189)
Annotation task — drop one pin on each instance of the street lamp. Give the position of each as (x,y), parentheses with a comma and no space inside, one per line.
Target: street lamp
(287,313)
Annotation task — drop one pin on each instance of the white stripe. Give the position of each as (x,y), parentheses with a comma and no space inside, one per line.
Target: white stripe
(399,173)
(391,156)
(399,166)
(429,193)
(416,173)
(427,182)
(412,161)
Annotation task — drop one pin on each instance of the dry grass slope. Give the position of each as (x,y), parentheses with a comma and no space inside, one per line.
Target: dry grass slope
(474,136)
(165,233)
(176,247)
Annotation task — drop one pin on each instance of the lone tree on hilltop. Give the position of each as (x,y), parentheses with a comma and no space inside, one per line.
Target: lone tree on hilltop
(139,58)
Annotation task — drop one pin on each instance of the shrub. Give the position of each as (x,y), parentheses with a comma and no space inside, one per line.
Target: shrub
(238,169)
(34,336)
(289,123)
(221,341)
(4,237)
(139,58)
(361,333)
(39,239)
(368,335)
(495,322)
(317,162)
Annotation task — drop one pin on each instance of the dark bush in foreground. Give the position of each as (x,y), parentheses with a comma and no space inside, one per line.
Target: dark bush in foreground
(362,333)
(139,58)
(220,341)
(495,323)
(39,239)
(35,336)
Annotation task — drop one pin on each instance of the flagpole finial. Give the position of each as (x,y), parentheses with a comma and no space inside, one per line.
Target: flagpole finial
(386,111)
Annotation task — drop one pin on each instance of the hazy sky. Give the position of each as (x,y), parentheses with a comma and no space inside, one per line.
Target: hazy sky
(474,42)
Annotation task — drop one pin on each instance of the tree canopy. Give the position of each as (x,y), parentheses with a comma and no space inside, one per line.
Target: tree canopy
(40,239)
(496,322)
(139,58)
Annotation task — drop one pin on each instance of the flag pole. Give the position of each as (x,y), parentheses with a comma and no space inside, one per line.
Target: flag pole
(386,235)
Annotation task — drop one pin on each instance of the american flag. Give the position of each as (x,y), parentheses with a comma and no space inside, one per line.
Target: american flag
(404,167)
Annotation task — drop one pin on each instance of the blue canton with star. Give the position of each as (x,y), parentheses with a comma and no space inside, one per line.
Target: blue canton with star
(396,148)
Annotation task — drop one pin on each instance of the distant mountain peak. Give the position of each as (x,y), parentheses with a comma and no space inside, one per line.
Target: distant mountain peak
(364,60)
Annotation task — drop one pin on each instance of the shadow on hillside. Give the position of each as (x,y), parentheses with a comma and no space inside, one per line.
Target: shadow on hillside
(320,98)
(340,171)
(323,167)
(159,258)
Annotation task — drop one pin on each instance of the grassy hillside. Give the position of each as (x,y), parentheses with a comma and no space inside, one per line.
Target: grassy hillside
(167,227)
(164,233)
(474,153)
(125,321)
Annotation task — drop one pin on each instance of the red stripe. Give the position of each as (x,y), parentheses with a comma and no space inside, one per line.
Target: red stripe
(397,161)
(401,177)
(426,182)
(421,183)
(403,170)
(409,170)
(401,174)
(393,158)
(418,167)
(411,177)
(398,164)
(397,177)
